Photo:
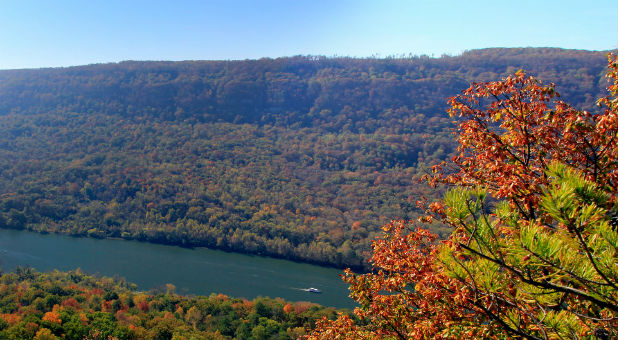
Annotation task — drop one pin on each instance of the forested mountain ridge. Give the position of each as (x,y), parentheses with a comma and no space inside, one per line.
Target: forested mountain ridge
(300,157)
(288,90)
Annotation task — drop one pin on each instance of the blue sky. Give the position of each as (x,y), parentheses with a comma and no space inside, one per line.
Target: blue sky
(46,33)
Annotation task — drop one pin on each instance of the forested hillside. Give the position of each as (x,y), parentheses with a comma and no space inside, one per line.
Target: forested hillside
(301,157)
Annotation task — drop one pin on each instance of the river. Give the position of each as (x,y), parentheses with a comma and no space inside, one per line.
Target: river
(197,271)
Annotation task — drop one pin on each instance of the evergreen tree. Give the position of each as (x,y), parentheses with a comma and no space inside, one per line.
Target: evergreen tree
(532,253)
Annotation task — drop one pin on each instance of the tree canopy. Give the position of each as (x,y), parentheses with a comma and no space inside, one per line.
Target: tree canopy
(76,306)
(532,209)
(302,158)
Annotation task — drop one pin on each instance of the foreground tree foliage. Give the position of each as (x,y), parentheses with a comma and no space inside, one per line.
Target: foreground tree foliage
(534,242)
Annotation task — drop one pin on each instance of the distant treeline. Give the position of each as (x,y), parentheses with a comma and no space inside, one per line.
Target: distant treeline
(297,91)
(301,158)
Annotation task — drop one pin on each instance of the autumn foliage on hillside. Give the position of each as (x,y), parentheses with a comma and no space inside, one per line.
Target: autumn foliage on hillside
(74,305)
(302,158)
(534,244)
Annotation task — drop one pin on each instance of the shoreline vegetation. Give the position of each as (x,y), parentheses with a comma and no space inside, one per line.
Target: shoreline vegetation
(192,271)
(74,305)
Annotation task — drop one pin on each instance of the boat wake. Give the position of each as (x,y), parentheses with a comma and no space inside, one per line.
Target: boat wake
(309,290)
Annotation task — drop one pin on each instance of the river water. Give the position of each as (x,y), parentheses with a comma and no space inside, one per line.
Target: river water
(197,271)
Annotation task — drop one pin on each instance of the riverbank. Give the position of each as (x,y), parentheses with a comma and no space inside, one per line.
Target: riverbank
(75,305)
(197,271)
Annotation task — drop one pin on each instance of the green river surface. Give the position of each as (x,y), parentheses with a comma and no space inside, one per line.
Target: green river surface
(196,271)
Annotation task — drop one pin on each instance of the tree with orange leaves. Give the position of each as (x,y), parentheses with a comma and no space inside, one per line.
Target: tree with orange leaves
(407,296)
(511,130)
(534,249)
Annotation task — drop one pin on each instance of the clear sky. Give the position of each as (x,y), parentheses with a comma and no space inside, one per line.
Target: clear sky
(43,33)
